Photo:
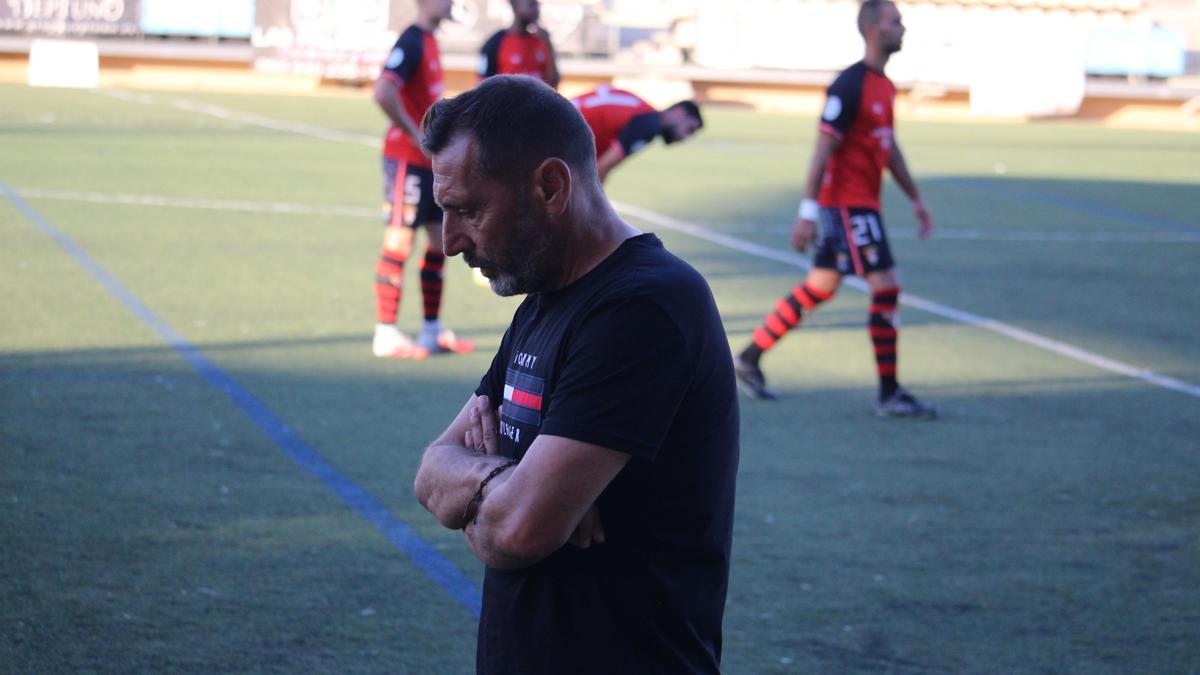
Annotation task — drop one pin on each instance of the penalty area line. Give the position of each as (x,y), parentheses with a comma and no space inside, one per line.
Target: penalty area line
(1019,334)
(239,117)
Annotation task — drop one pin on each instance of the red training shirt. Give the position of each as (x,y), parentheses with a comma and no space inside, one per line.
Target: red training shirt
(512,53)
(416,66)
(858,111)
(617,116)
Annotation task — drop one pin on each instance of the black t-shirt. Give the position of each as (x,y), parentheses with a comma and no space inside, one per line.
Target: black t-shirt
(639,132)
(406,55)
(631,357)
(489,55)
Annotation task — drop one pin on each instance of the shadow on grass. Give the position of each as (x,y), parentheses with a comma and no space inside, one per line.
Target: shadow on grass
(151,525)
(1044,524)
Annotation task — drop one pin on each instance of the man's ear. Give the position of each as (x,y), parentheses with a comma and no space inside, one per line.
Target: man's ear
(552,182)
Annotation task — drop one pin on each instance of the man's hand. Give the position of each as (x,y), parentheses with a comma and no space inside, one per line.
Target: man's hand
(454,464)
(804,232)
(482,436)
(924,220)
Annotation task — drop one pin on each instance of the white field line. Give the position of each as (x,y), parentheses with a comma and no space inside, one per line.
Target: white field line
(199,203)
(911,300)
(363,212)
(996,235)
(1019,334)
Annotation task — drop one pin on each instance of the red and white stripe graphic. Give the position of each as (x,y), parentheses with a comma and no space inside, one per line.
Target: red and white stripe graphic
(522,398)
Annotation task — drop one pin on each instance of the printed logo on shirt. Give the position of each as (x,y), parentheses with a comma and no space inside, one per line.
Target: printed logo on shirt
(833,108)
(395,58)
(884,136)
(523,397)
(516,59)
(605,96)
(877,108)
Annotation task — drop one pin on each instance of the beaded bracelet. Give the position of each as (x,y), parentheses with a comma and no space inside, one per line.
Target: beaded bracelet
(478,497)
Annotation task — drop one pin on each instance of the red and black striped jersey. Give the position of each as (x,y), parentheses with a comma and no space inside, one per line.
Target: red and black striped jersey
(617,116)
(858,111)
(416,66)
(516,53)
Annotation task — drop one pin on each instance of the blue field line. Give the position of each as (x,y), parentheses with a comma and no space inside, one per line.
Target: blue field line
(1072,203)
(442,571)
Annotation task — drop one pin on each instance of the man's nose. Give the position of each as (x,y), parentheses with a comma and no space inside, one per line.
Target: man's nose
(454,241)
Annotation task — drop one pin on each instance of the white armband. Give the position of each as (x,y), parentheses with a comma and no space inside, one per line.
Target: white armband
(809,210)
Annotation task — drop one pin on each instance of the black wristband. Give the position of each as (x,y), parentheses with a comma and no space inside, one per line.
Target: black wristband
(478,497)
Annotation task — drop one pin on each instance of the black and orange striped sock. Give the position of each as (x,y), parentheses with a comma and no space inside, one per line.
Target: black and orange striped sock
(786,316)
(881,324)
(389,284)
(431,282)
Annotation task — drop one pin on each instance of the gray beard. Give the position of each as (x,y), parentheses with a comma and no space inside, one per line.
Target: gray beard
(529,264)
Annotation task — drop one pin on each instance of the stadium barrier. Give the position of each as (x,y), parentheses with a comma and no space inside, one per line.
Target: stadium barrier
(936,78)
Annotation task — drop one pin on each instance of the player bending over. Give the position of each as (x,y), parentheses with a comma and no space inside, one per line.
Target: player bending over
(623,124)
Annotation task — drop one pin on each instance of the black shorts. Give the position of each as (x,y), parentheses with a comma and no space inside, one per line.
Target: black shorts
(852,241)
(408,195)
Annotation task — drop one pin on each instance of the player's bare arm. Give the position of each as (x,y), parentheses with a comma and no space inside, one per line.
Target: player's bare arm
(387,97)
(904,179)
(804,230)
(552,76)
(609,160)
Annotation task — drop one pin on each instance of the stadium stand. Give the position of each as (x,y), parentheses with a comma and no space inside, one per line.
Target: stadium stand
(776,54)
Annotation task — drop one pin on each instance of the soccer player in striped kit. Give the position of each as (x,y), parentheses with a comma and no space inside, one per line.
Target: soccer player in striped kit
(411,81)
(855,144)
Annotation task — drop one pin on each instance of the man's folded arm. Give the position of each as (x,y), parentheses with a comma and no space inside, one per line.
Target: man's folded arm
(531,510)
